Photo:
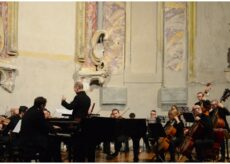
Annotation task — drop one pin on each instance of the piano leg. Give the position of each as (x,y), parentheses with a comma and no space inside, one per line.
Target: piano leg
(136,146)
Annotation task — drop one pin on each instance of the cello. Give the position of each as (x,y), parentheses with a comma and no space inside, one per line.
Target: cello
(188,143)
(170,131)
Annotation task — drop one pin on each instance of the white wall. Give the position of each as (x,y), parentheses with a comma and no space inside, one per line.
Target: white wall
(47,27)
(212,43)
(46,40)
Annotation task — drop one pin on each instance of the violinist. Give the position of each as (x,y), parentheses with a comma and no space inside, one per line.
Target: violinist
(174,139)
(14,120)
(218,111)
(204,141)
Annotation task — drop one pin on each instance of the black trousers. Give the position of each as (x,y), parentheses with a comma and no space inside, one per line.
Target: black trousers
(54,149)
(83,149)
(201,145)
(32,146)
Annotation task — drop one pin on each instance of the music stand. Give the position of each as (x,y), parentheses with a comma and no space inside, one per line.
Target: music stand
(157,131)
(188,116)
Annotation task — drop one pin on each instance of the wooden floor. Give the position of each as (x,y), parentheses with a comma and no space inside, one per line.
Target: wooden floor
(144,156)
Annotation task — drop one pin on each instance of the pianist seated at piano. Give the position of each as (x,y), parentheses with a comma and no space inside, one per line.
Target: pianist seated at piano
(80,104)
(47,113)
(34,132)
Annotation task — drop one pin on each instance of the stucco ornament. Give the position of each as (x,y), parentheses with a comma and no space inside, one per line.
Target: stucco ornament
(99,75)
(8,75)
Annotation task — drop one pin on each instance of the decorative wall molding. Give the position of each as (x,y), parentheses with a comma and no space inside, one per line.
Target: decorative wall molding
(8,29)
(156,76)
(80,31)
(113,96)
(8,44)
(8,74)
(13,28)
(171,96)
(175,36)
(191,25)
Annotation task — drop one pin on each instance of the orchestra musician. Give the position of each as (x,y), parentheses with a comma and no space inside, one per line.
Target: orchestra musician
(151,120)
(218,110)
(80,104)
(175,139)
(205,140)
(153,117)
(7,133)
(200,97)
(118,141)
(34,132)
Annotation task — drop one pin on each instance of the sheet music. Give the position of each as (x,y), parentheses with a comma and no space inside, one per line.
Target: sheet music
(17,128)
(64,111)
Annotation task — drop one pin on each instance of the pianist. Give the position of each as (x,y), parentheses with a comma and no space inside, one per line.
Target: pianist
(80,104)
(34,132)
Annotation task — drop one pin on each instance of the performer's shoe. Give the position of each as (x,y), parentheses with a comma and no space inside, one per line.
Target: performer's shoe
(112,156)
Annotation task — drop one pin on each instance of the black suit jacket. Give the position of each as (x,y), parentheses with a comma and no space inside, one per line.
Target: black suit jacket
(80,105)
(34,128)
(207,127)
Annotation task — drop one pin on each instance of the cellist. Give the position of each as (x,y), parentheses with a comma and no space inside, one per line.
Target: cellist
(174,139)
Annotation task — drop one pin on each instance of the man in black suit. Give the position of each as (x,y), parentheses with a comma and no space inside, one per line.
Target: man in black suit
(80,104)
(34,131)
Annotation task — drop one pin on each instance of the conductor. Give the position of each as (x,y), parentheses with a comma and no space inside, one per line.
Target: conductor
(80,104)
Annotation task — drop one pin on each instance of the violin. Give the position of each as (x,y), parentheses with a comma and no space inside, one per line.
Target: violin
(4,121)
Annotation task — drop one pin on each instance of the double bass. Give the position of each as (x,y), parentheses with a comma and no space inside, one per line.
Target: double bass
(218,122)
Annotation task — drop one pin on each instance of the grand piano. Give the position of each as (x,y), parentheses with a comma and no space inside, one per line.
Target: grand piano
(94,130)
